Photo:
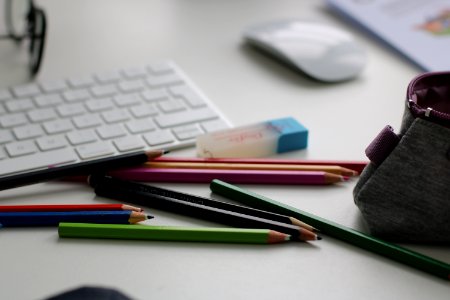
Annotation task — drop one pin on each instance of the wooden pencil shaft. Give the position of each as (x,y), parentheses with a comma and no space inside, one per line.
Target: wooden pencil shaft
(135,193)
(244,166)
(19,219)
(196,199)
(67,207)
(236,176)
(353,165)
(165,233)
(338,231)
(88,167)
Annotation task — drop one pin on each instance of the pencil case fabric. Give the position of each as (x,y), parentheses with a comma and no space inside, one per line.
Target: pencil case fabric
(404,192)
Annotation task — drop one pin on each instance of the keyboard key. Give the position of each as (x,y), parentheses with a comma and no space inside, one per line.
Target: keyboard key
(158,138)
(51,142)
(81,137)
(185,117)
(134,72)
(28,131)
(37,160)
(161,68)
(18,105)
(111,131)
(57,126)
(11,120)
(131,86)
(141,111)
(48,100)
(99,105)
(139,126)
(43,114)
(171,106)
(129,143)
(5,136)
(69,110)
(95,150)
(187,132)
(189,95)
(115,116)
(21,148)
(127,100)
(76,95)
(104,90)
(155,95)
(87,121)
(165,79)
(107,77)
(214,125)
(26,90)
(54,86)
(82,81)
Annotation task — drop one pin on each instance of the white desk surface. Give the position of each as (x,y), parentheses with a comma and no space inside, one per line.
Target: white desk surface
(204,38)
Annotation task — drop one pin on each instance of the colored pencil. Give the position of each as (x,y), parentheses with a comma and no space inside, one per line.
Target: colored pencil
(68,207)
(243,166)
(354,237)
(175,234)
(53,218)
(138,194)
(235,176)
(212,203)
(81,168)
(357,166)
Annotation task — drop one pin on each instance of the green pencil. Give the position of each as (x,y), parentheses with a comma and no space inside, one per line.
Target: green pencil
(169,233)
(400,254)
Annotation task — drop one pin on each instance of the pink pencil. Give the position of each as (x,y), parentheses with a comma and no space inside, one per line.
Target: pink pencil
(67,207)
(350,164)
(232,176)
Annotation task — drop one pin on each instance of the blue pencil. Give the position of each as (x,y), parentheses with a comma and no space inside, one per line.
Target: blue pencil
(23,219)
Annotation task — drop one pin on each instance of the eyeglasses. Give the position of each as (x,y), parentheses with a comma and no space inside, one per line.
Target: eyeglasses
(24,20)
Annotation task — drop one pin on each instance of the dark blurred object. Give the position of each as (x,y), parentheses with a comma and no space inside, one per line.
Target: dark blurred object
(91,293)
(23,20)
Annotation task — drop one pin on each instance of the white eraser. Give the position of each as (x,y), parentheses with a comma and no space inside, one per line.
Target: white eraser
(256,140)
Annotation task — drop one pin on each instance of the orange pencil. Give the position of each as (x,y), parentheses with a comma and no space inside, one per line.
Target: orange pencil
(244,166)
(357,166)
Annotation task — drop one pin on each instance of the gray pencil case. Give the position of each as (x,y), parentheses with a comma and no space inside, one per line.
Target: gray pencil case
(404,192)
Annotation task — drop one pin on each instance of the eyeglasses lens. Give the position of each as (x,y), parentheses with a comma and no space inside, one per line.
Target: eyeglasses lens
(16,13)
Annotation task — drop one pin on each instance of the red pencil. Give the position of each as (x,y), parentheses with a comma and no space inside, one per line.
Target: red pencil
(350,164)
(67,207)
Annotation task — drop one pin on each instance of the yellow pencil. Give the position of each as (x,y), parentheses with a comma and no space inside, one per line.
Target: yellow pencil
(244,166)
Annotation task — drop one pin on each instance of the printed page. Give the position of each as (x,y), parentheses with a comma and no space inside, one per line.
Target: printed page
(418,29)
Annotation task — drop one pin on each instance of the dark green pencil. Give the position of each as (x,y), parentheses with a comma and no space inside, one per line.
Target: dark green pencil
(395,252)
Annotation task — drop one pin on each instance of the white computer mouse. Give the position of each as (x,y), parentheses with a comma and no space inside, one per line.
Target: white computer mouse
(321,51)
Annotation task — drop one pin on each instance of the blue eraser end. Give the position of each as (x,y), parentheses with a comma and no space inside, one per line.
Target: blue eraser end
(293,135)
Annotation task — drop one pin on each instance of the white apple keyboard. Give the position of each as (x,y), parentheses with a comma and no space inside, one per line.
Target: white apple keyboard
(71,120)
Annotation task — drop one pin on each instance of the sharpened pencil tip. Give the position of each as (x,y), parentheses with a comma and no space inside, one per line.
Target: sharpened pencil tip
(149,216)
(152,154)
(318,237)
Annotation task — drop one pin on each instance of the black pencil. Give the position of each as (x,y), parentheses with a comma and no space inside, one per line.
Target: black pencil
(212,203)
(138,193)
(81,168)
